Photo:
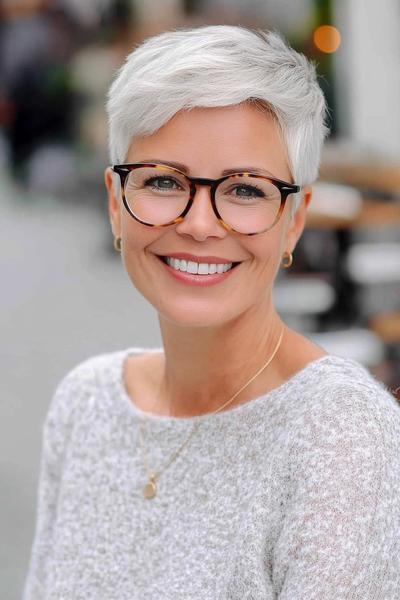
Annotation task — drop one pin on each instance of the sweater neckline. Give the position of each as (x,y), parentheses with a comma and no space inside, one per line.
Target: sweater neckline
(236,411)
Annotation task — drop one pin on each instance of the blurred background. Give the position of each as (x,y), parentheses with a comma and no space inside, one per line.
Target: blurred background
(64,296)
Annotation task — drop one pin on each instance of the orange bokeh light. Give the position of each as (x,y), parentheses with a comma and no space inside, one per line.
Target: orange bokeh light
(327,38)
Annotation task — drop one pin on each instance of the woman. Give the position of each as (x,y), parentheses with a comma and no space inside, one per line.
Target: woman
(239,460)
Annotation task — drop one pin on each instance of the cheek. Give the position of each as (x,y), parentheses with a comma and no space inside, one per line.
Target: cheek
(136,239)
(266,253)
(267,250)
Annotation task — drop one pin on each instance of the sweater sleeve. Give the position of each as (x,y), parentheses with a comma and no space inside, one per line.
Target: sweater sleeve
(340,538)
(56,432)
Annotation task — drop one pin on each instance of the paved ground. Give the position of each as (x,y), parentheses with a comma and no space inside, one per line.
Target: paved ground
(64,297)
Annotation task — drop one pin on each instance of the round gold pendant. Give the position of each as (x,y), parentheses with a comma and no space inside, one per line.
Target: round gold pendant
(149,490)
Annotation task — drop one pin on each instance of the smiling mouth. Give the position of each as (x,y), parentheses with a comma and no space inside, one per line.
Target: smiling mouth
(164,260)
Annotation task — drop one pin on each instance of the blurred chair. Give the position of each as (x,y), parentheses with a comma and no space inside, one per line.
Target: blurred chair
(387,327)
(333,212)
(357,344)
(333,205)
(373,264)
(375,270)
(301,298)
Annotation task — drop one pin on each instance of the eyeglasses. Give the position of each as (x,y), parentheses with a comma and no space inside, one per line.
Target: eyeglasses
(157,195)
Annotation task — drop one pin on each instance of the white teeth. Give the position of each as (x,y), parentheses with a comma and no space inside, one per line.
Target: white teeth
(197,268)
(203,269)
(192,267)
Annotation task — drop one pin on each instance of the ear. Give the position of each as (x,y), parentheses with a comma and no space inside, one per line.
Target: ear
(298,220)
(114,208)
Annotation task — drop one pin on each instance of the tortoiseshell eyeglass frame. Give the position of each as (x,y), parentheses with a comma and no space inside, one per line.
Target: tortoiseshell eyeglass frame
(284,188)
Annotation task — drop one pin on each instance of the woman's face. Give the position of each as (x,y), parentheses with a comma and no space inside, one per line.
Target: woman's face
(208,141)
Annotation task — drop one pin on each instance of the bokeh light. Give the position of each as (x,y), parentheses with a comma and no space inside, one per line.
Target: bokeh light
(327,38)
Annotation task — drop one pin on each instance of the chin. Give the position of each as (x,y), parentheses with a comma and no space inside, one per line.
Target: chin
(191,314)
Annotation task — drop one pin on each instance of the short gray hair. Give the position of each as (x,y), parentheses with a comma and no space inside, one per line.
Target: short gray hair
(219,65)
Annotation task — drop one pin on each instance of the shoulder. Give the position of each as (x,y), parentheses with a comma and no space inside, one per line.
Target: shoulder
(85,376)
(343,489)
(78,390)
(335,382)
(342,408)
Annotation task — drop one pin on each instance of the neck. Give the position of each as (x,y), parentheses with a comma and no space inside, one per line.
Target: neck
(205,367)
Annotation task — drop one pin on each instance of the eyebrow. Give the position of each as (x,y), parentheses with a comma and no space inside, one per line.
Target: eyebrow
(185,169)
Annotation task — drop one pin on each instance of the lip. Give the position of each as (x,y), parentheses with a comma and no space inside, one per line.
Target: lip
(199,259)
(191,278)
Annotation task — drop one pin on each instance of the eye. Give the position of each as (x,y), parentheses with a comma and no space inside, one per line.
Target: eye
(248,191)
(162,183)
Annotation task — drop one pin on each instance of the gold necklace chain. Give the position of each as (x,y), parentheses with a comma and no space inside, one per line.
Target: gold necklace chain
(150,489)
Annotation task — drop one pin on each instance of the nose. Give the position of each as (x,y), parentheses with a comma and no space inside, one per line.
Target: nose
(201,221)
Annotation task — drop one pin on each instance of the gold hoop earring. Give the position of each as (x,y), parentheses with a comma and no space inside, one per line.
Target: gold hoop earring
(118,244)
(287,260)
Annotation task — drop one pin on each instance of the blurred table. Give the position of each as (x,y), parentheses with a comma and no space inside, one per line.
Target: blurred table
(373,213)
(386,326)
(371,175)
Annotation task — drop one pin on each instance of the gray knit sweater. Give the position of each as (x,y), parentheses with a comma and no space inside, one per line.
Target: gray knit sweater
(294,495)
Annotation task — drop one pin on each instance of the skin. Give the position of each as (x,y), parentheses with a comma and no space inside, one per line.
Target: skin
(215,338)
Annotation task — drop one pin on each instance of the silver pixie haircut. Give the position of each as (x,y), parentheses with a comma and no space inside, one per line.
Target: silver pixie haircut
(219,65)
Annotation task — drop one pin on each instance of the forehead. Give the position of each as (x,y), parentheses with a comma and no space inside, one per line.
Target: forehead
(210,140)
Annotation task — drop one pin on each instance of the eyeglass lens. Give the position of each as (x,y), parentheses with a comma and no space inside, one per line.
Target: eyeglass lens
(246,204)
